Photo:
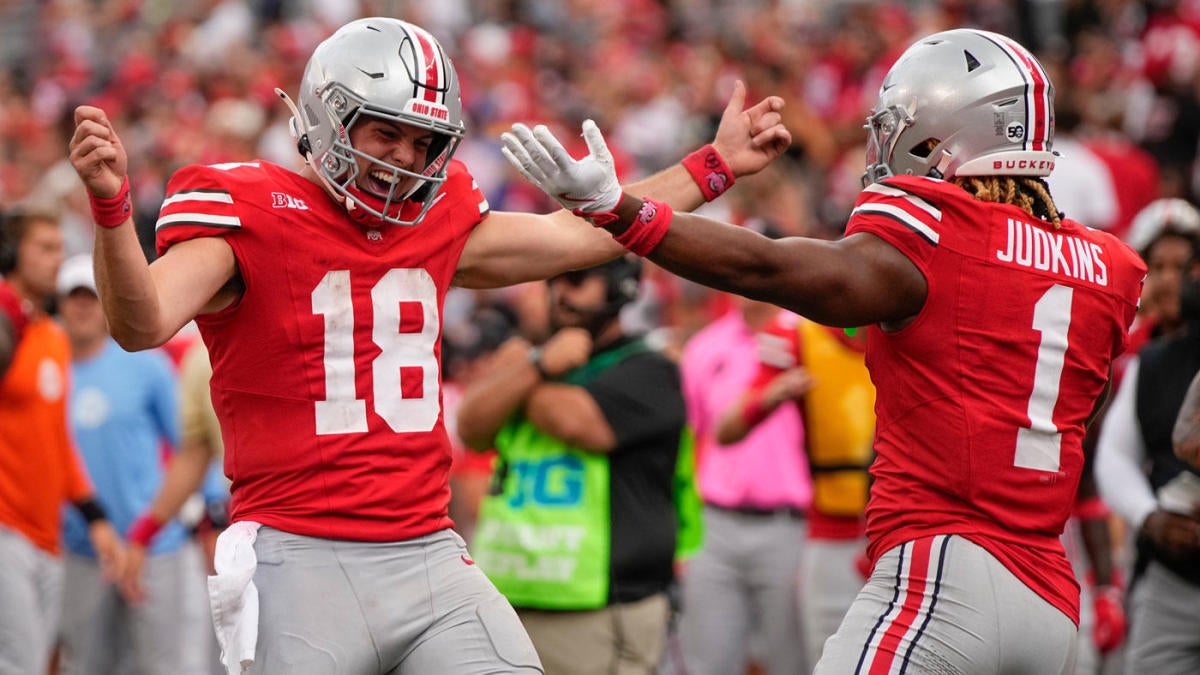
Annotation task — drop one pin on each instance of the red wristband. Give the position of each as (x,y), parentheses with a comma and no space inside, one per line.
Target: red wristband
(113,211)
(648,228)
(1092,508)
(710,171)
(143,529)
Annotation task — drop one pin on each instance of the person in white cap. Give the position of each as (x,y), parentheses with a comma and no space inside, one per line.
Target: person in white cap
(123,409)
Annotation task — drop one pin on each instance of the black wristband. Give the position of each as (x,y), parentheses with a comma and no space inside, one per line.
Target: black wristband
(91,510)
(535,359)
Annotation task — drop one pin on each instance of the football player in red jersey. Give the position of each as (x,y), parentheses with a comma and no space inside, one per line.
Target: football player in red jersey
(993,321)
(319,296)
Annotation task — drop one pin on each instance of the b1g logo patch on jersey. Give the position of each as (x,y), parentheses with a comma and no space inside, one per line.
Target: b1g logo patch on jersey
(282,200)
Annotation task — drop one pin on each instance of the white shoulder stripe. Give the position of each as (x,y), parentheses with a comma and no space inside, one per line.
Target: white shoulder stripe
(904,217)
(199,196)
(227,222)
(912,199)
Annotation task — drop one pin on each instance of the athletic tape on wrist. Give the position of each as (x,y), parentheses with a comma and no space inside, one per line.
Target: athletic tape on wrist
(112,211)
(648,228)
(709,170)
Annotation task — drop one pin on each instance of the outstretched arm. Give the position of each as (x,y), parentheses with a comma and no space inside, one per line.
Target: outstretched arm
(508,248)
(856,281)
(145,304)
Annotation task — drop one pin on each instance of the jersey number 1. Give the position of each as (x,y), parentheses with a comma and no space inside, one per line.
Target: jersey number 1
(404,354)
(1039,446)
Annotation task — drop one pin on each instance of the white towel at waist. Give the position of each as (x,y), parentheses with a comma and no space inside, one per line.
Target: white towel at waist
(233,597)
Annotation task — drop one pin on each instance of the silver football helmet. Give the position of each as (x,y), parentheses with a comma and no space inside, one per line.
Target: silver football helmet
(962,103)
(386,69)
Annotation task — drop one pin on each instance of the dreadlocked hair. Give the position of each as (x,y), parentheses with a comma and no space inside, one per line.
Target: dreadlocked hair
(1029,193)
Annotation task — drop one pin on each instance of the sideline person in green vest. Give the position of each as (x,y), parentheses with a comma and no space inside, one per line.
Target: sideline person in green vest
(593,492)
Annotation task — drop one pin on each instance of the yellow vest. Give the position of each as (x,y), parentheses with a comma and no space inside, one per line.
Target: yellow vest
(839,419)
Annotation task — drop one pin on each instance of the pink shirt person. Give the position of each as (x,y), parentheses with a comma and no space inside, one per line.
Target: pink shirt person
(767,469)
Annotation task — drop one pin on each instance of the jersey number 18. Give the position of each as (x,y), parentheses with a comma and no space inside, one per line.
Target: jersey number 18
(402,354)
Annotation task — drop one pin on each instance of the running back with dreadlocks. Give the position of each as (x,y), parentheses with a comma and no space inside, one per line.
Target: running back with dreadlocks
(992,324)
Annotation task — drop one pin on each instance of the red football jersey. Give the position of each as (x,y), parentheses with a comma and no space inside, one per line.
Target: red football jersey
(983,398)
(326,372)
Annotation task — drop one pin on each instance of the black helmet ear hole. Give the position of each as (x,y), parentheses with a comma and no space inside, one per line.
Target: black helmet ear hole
(924,148)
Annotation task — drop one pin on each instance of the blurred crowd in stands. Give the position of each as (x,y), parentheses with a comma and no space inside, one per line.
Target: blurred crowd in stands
(193,81)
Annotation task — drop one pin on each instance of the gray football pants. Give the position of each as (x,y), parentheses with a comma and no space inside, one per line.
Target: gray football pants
(944,606)
(103,634)
(1164,621)
(332,607)
(30,604)
(829,582)
(744,581)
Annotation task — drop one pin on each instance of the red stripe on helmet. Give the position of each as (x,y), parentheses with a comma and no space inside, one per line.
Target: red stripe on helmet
(1039,97)
(433,66)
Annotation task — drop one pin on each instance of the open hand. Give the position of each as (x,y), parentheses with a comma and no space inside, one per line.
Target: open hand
(588,185)
(749,139)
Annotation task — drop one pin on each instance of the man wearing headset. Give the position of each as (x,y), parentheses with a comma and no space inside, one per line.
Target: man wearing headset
(39,467)
(593,491)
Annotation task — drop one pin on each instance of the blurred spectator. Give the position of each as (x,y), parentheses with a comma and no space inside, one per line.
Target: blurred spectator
(1156,494)
(589,507)
(744,580)
(837,404)
(123,408)
(39,465)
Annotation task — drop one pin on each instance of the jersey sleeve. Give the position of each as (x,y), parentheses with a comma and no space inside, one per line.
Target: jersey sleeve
(480,200)
(904,212)
(198,204)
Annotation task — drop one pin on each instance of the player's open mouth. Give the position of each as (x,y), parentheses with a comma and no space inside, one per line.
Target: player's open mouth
(379,183)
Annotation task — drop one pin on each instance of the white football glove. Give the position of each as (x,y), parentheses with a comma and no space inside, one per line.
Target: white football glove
(588,185)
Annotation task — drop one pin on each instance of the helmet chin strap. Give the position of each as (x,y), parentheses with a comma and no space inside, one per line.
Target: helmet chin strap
(299,131)
(943,164)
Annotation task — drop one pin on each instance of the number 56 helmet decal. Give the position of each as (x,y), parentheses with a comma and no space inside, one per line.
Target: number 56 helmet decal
(384,69)
(962,103)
